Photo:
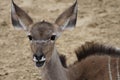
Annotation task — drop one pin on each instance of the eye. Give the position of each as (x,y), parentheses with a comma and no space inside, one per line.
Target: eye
(30,37)
(53,37)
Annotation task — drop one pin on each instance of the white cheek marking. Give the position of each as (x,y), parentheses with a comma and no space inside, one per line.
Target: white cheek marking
(43,59)
(35,60)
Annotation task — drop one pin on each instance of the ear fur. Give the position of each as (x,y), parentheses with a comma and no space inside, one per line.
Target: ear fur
(20,19)
(68,19)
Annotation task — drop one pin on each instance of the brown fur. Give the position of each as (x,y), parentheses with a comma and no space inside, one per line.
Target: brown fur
(92,63)
(93,68)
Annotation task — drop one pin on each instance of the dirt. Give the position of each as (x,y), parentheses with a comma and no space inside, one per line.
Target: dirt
(98,21)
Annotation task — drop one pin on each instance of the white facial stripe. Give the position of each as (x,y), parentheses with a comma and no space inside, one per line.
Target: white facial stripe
(39,41)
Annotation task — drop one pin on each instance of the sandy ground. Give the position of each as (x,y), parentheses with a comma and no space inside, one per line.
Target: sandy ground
(98,20)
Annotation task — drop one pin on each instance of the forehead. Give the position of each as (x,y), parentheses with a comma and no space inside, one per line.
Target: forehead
(42,30)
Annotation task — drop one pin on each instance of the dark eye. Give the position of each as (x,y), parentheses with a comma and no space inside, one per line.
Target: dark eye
(30,37)
(53,37)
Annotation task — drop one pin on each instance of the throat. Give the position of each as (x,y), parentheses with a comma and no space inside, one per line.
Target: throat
(54,69)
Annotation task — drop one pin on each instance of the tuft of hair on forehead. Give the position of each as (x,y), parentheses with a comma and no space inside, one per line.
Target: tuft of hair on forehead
(42,30)
(43,24)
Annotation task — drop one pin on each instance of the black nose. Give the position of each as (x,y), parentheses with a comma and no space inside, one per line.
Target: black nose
(39,60)
(38,57)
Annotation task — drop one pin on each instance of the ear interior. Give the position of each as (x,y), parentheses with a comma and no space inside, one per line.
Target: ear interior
(68,19)
(20,19)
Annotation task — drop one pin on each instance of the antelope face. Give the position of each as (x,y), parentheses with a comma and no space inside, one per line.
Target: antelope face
(42,39)
(42,35)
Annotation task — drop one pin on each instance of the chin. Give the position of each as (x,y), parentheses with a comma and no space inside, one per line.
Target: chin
(40,64)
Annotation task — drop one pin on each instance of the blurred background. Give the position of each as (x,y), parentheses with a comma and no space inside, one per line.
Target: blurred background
(98,21)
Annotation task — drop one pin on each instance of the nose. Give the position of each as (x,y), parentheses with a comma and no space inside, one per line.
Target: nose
(38,57)
(39,60)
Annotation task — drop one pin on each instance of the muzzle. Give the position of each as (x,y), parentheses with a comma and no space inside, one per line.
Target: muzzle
(39,60)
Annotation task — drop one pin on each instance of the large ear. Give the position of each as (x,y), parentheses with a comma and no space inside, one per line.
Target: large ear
(68,18)
(19,17)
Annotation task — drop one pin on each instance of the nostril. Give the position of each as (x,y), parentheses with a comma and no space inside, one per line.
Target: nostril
(38,58)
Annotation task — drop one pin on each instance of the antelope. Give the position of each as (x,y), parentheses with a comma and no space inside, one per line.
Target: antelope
(94,61)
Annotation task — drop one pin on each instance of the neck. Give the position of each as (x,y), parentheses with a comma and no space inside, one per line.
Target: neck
(54,69)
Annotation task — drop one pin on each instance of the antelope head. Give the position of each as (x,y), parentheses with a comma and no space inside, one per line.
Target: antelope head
(42,35)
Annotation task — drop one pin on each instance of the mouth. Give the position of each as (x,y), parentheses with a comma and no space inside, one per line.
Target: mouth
(39,61)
